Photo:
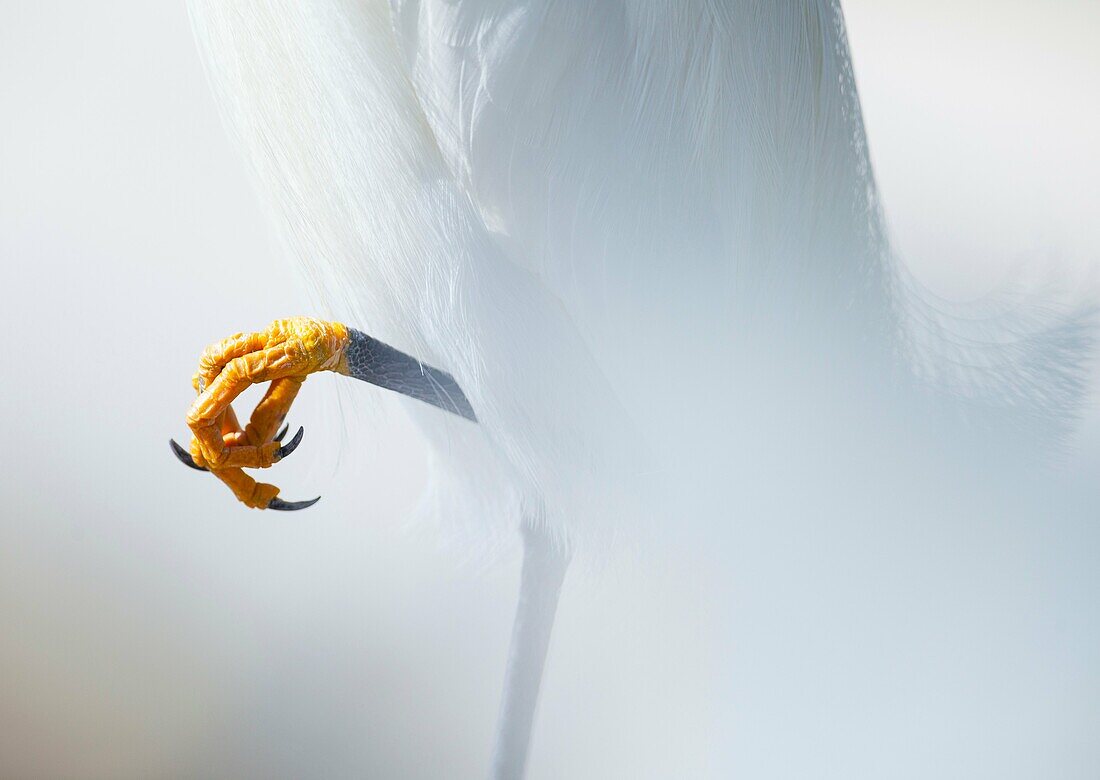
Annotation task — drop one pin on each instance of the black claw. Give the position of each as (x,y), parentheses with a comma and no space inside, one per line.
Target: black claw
(290,506)
(290,446)
(184,456)
(279,436)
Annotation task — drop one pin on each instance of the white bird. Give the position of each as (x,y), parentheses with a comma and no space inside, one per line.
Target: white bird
(644,237)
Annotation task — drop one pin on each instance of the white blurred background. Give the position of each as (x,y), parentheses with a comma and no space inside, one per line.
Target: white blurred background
(150,627)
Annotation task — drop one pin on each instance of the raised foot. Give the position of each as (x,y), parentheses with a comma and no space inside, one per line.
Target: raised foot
(284,354)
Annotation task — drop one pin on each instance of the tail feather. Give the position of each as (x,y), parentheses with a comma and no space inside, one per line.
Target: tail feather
(1014,364)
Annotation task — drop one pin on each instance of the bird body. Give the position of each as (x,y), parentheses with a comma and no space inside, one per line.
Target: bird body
(580,209)
(643,236)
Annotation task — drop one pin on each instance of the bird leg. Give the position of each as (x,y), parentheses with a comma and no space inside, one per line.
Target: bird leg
(285,354)
(544,566)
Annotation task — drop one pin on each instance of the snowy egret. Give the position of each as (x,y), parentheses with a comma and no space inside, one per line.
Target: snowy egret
(610,223)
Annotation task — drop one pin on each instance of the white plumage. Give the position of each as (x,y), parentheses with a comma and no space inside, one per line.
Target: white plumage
(644,236)
(580,207)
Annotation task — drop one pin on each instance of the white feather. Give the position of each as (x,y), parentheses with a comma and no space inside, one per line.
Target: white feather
(651,210)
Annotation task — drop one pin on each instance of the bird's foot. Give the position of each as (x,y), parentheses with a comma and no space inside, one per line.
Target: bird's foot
(284,354)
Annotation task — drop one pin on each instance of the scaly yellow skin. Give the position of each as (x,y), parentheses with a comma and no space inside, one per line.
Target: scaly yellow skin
(284,354)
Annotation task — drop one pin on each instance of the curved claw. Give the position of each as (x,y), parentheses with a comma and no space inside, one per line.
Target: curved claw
(184,456)
(290,446)
(279,436)
(290,506)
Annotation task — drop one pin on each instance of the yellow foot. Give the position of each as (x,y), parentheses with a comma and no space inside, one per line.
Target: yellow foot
(284,354)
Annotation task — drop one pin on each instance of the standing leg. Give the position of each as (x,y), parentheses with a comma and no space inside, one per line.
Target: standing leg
(540,586)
